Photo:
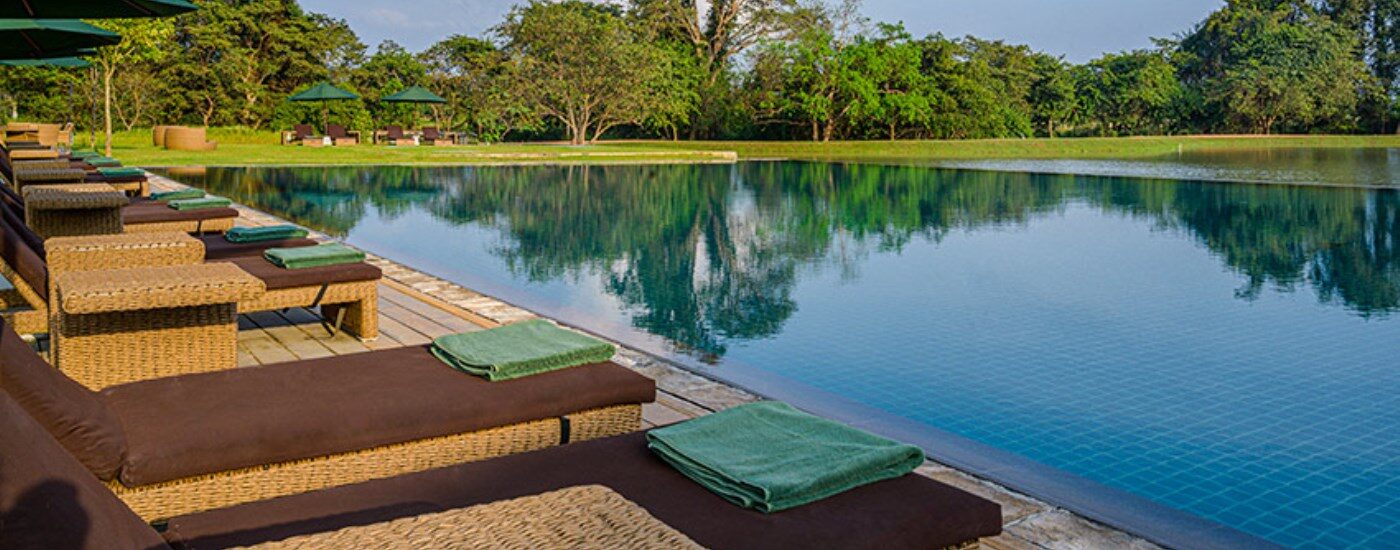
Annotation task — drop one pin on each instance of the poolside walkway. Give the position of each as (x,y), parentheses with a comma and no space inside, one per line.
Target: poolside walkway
(415,307)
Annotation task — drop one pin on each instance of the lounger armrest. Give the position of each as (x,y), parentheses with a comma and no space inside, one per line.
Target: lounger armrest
(126,250)
(11,299)
(144,288)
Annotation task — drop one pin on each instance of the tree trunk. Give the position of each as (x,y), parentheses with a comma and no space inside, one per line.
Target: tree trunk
(107,108)
(894,132)
(816,131)
(1050,128)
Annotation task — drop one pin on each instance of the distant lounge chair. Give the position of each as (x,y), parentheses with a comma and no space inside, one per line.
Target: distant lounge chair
(432,136)
(394,135)
(340,136)
(300,134)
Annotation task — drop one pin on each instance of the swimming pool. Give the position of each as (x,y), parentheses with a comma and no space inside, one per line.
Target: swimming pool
(1232,351)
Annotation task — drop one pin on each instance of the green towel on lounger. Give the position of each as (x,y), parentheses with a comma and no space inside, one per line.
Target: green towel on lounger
(186,193)
(521,349)
(302,257)
(107,162)
(769,456)
(121,172)
(83,154)
(207,201)
(260,234)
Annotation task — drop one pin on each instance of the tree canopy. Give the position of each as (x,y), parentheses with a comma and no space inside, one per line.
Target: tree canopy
(738,69)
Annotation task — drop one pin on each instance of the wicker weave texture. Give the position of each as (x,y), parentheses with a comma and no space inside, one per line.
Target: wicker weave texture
(30,154)
(34,177)
(218,225)
(586,516)
(94,252)
(107,349)
(73,209)
(146,288)
(44,164)
(74,196)
(360,300)
(194,494)
(179,138)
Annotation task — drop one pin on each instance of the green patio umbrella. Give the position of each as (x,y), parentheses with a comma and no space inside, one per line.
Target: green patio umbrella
(59,62)
(413,94)
(323,92)
(48,38)
(92,9)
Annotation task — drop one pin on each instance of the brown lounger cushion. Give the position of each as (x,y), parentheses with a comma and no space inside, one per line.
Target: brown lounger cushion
(48,500)
(216,247)
(279,278)
(908,512)
(73,414)
(19,255)
(147,211)
(187,425)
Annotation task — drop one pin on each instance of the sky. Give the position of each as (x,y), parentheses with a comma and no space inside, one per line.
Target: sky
(1080,30)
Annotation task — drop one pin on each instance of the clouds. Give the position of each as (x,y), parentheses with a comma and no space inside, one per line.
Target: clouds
(1078,29)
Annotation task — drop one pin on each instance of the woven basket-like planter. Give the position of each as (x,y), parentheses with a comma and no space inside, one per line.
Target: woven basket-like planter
(178,138)
(158,135)
(207,492)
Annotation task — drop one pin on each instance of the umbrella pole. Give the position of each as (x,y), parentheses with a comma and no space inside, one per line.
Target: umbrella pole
(325,116)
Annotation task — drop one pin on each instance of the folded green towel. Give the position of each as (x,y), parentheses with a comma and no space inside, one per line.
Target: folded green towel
(302,257)
(207,201)
(103,162)
(259,234)
(83,154)
(121,172)
(520,349)
(186,193)
(769,456)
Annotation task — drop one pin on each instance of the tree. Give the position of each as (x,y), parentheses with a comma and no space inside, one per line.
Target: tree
(391,69)
(593,78)
(144,41)
(890,93)
(475,77)
(1130,92)
(1051,96)
(716,33)
(1259,63)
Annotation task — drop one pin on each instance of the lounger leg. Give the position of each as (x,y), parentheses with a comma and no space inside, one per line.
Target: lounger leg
(359,318)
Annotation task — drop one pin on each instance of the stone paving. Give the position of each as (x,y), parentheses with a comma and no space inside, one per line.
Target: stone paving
(1028,523)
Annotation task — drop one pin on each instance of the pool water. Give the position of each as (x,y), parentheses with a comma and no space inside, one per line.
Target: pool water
(1228,350)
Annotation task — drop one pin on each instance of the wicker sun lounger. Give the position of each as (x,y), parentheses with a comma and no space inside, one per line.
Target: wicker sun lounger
(610,491)
(198,442)
(346,294)
(142,215)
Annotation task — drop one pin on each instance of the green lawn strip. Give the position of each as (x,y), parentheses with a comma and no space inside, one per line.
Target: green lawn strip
(243,147)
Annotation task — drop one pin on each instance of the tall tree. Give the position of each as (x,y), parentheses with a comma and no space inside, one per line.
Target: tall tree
(144,41)
(717,32)
(591,79)
(475,78)
(1128,92)
(1051,95)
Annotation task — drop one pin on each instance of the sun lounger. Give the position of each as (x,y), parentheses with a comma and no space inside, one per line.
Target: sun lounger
(191,443)
(142,215)
(394,135)
(611,488)
(432,136)
(340,136)
(347,295)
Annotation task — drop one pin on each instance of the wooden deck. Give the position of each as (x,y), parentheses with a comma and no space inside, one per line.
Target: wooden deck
(406,318)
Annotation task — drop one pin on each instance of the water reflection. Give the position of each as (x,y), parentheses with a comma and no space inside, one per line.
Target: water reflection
(1374,166)
(706,255)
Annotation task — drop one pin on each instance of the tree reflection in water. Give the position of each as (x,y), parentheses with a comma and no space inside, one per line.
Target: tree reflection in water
(705,254)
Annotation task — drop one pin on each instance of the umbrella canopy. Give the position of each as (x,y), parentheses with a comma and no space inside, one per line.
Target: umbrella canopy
(323,91)
(414,94)
(60,62)
(91,9)
(46,38)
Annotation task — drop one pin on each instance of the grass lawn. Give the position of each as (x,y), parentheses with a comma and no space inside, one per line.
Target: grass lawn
(240,147)
(1087,148)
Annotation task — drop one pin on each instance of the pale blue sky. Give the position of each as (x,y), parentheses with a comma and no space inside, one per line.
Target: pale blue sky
(1078,29)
